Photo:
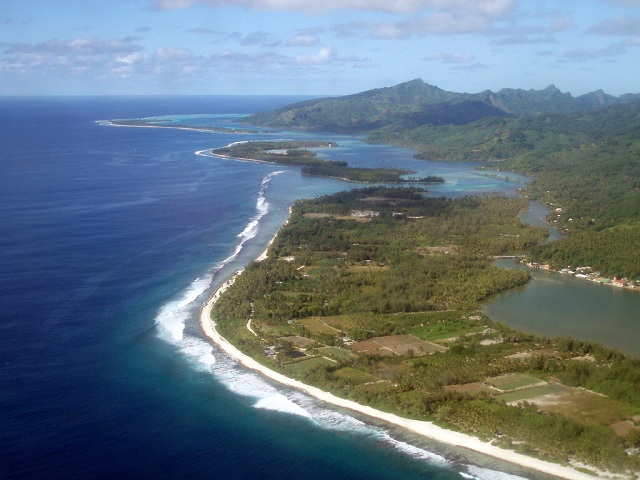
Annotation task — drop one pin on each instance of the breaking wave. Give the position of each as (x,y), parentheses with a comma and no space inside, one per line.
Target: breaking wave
(172,318)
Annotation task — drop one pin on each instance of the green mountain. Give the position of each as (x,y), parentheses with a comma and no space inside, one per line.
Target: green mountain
(582,152)
(416,103)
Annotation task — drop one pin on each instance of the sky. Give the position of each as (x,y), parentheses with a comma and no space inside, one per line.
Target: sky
(315,47)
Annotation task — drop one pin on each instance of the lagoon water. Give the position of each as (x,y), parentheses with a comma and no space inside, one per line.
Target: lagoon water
(555,305)
(111,240)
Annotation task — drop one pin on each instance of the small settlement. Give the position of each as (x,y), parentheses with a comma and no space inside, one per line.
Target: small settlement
(587,273)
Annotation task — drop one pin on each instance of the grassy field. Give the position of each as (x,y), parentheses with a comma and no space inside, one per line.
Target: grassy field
(355,377)
(529,394)
(297,368)
(441,331)
(514,381)
(575,403)
(328,325)
(337,353)
(397,345)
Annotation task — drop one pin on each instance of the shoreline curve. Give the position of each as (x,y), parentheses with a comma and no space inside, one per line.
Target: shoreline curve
(420,427)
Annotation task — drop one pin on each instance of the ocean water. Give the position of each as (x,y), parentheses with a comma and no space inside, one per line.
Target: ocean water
(111,239)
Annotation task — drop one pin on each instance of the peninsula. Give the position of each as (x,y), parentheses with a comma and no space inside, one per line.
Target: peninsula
(298,153)
(369,299)
(165,123)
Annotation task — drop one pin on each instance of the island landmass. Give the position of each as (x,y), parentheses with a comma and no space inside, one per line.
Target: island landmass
(376,321)
(370,299)
(373,296)
(297,153)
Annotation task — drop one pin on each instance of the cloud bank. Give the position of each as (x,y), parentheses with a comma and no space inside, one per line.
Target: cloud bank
(484,7)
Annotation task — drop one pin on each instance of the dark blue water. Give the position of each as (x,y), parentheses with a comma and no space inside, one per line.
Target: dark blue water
(110,240)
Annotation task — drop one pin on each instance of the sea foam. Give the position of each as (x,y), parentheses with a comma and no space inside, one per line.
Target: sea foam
(172,316)
(202,356)
(481,473)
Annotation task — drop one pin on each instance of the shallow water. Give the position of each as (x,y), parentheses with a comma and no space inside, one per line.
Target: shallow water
(111,240)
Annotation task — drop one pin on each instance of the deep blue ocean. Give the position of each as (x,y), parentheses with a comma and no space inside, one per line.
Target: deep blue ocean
(110,240)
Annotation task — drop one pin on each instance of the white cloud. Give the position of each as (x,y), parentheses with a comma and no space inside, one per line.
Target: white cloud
(524,40)
(447,23)
(325,55)
(258,38)
(204,31)
(483,7)
(166,54)
(238,62)
(455,57)
(585,54)
(77,55)
(303,40)
(95,58)
(444,23)
(617,26)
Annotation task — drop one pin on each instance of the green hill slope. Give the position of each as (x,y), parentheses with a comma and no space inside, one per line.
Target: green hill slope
(416,103)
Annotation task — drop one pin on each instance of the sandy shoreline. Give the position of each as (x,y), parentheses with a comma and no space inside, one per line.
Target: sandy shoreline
(423,428)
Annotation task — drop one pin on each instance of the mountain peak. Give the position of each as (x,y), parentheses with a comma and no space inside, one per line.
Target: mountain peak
(415,102)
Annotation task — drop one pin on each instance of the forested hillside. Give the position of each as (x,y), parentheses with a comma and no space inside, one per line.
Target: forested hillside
(585,166)
(416,103)
(582,152)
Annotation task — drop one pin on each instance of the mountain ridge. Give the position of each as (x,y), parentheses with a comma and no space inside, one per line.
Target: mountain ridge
(414,103)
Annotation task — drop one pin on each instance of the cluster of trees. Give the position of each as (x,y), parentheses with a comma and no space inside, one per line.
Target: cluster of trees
(372,175)
(297,154)
(283,152)
(401,273)
(384,277)
(586,164)
(614,251)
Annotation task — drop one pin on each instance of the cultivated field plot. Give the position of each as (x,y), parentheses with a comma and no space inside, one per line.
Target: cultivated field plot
(275,330)
(515,381)
(576,403)
(356,377)
(397,345)
(337,353)
(368,268)
(317,326)
(548,391)
(296,368)
(370,346)
(447,330)
(299,342)
(357,218)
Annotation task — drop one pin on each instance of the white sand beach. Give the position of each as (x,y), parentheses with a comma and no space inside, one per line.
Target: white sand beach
(424,428)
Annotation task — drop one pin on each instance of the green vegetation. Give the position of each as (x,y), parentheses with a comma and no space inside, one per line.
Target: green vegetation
(420,266)
(283,152)
(415,103)
(585,166)
(297,153)
(582,152)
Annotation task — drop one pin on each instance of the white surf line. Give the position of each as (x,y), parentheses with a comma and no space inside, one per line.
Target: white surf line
(424,428)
